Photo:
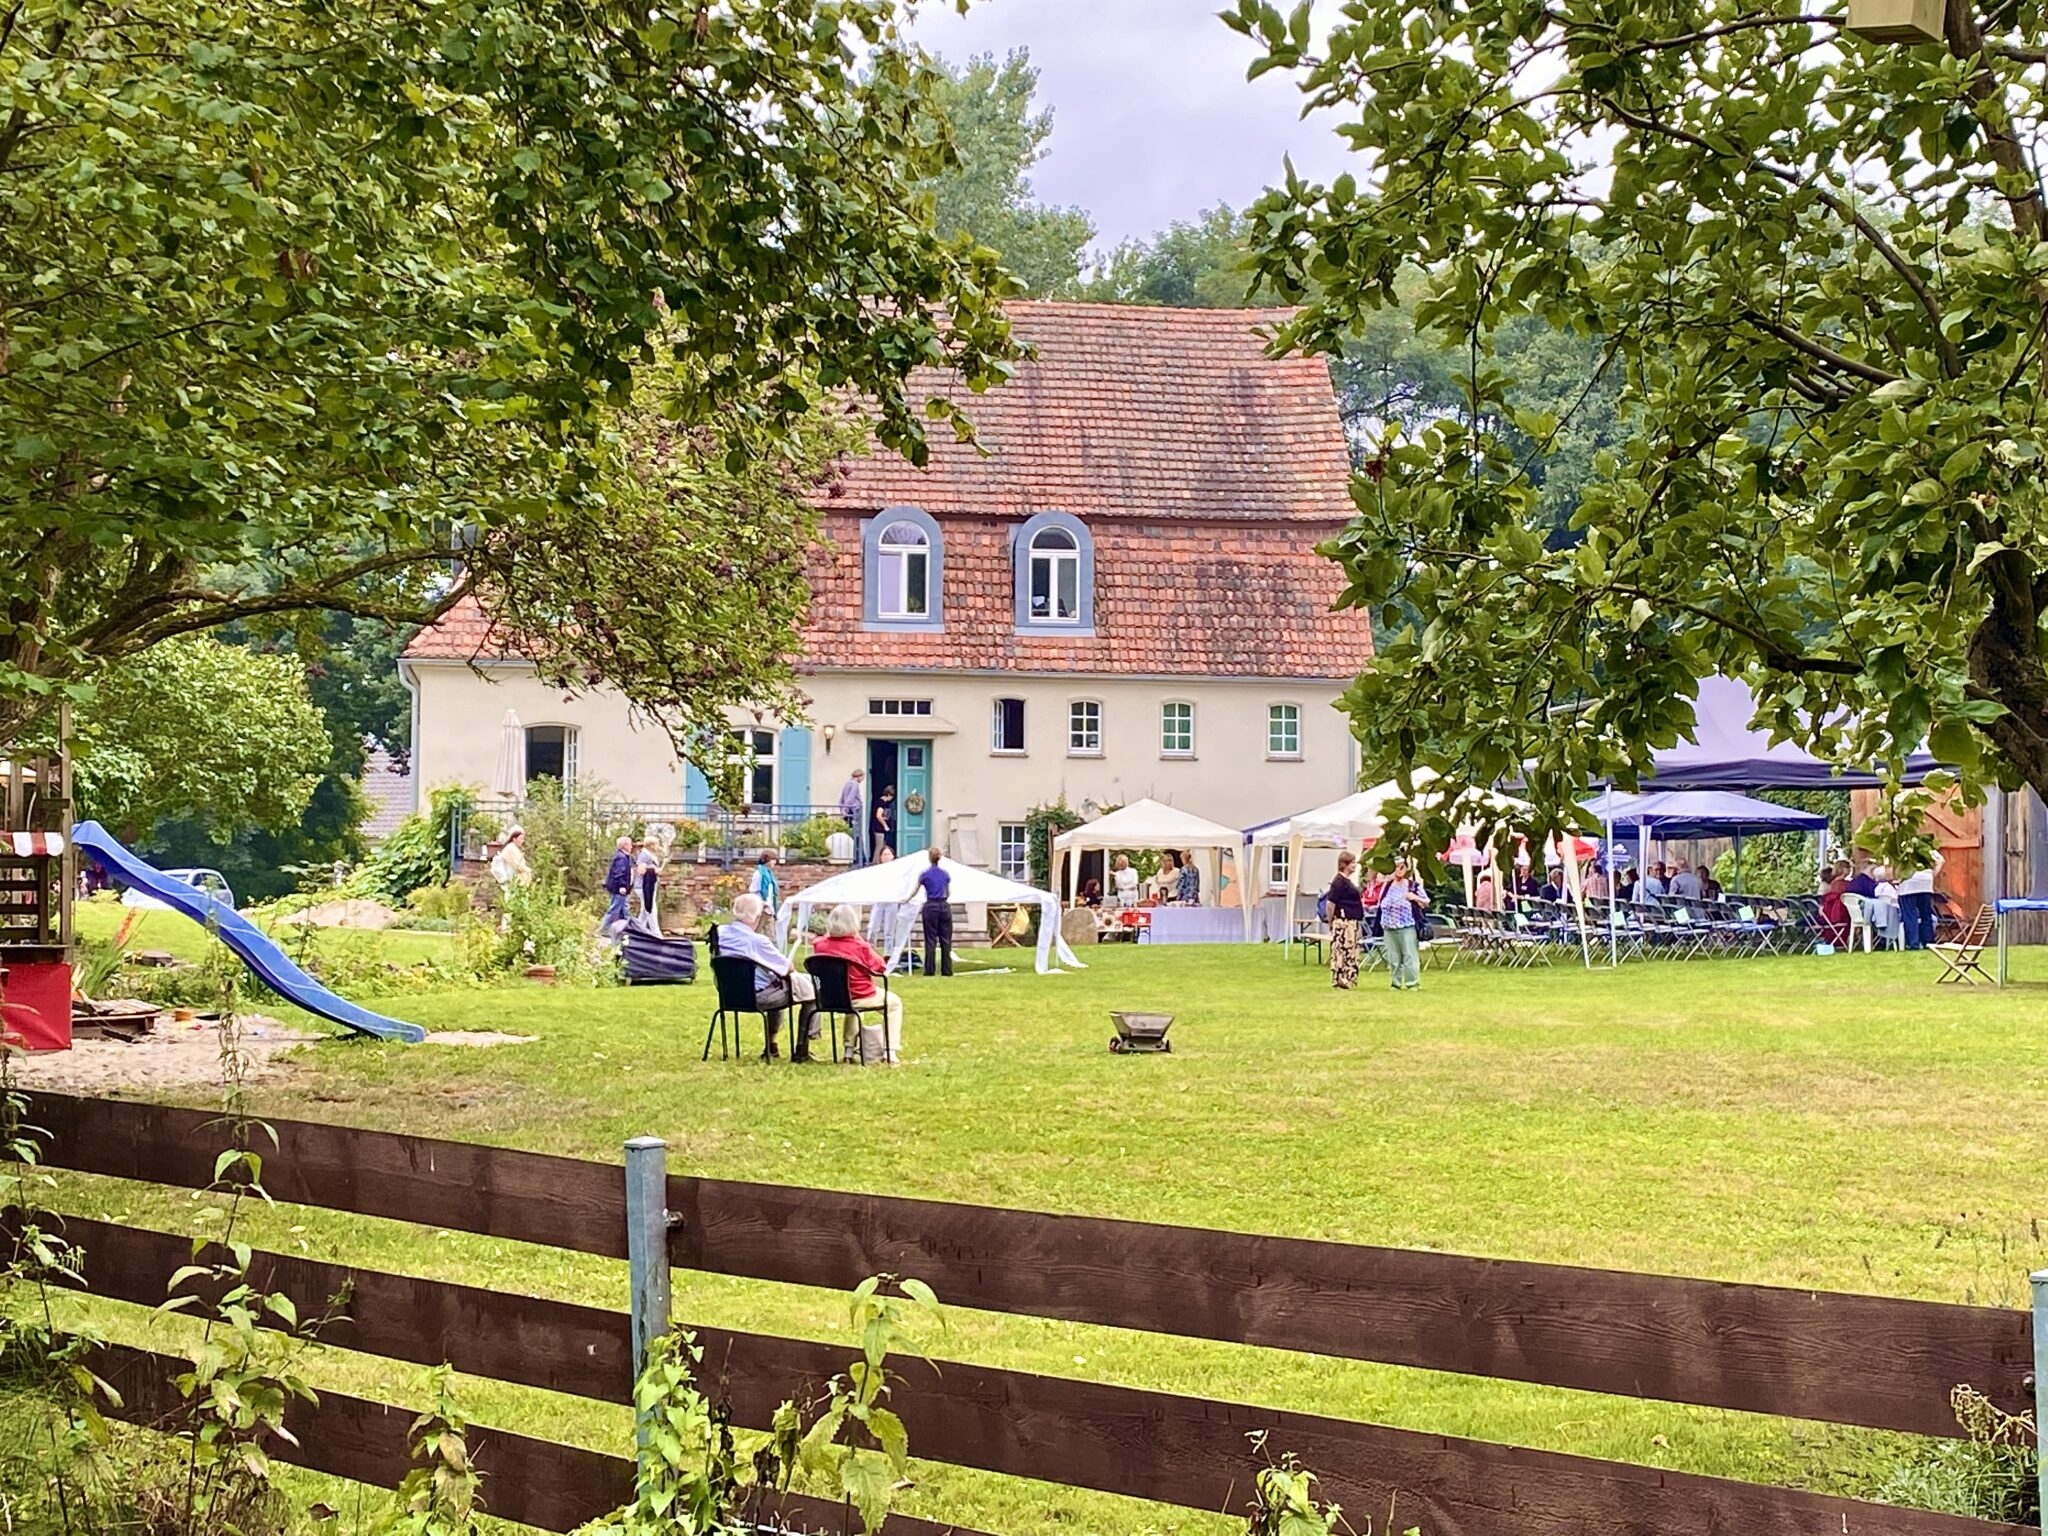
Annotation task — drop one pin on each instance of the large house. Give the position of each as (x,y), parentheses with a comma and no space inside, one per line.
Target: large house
(1117,595)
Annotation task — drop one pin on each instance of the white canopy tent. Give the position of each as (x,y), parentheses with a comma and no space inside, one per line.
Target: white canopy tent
(1148,824)
(891,891)
(1361,818)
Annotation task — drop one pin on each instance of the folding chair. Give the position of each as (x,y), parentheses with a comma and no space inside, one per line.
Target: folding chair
(1688,937)
(1963,960)
(1014,931)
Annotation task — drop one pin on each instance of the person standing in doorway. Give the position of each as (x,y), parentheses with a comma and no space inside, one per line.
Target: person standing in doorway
(937,916)
(1402,901)
(853,807)
(885,821)
(618,884)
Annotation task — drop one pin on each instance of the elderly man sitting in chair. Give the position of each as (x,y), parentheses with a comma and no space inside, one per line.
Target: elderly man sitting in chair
(777,984)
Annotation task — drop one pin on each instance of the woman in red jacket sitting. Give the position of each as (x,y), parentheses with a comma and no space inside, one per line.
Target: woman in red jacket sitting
(842,941)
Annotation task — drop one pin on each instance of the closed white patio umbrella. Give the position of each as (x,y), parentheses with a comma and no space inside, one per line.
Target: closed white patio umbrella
(509,778)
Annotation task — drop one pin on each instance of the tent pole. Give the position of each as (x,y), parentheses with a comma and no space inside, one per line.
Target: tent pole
(1607,853)
(1738,863)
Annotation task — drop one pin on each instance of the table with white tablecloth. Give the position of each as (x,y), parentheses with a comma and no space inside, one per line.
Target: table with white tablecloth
(2014,904)
(1194,925)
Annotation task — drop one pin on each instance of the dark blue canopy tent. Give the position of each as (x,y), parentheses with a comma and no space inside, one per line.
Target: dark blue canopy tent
(1690,813)
(1727,752)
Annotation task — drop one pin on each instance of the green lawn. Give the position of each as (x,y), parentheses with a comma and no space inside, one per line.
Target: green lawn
(1828,1122)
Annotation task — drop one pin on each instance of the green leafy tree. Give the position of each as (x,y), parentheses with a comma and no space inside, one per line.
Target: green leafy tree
(199,729)
(350,668)
(1819,279)
(988,196)
(1199,263)
(304,306)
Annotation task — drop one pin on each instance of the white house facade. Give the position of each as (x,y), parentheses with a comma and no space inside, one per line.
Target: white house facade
(1116,596)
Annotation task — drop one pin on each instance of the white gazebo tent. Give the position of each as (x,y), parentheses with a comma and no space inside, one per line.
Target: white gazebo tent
(891,891)
(1148,824)
(1362,818)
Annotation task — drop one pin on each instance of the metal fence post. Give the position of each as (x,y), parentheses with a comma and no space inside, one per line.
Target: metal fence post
(2040,1283)
(647,1224)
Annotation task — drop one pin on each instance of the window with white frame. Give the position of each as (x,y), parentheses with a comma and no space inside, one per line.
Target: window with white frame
(551,753)
(1006,726)
(1013,851)
(1176,729)
(753,754)
(1084,728)
(1055,577)
(1276,877)
(920,707)
(903,567)
(1283,730)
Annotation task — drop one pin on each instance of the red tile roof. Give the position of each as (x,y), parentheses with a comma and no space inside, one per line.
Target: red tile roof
(463,634)
(1172,599)
(1132,411)
(1206,471)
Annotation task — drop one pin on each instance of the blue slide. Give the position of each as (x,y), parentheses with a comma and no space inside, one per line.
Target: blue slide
(251,944)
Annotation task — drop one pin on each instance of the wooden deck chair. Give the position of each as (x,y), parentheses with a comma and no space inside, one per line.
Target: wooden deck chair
(1964,959)
(1014,932)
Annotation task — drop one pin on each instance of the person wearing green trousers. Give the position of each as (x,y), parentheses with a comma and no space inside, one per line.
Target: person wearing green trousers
(1402,902)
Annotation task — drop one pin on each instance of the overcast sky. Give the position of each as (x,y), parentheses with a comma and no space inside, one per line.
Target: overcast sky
(1153,120)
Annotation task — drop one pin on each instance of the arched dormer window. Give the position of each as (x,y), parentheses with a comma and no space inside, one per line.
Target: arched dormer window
(1055,574)
(903,568)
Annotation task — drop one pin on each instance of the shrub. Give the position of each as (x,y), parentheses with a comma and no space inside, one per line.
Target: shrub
(1989,1474)
(442,903)
(417,851)
(572,835)
(1042,824)
(809,839)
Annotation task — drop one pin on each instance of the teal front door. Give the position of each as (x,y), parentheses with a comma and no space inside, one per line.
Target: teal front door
(914,796)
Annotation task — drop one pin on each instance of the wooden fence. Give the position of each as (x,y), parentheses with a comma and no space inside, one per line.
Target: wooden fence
(1844,1359)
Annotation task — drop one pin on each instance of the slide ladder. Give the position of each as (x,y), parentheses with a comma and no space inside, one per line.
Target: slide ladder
(252,946)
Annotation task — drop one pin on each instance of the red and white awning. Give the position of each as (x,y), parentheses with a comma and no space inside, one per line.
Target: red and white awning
(34,845)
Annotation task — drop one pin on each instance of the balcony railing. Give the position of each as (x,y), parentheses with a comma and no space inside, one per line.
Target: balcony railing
(703,832)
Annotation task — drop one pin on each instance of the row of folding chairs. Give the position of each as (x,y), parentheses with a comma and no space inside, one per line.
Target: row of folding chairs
(1531,933)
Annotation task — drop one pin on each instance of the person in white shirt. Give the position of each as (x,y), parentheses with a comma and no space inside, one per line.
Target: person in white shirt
(1123,883)
(1654,888)
(776,984)
(1916,904)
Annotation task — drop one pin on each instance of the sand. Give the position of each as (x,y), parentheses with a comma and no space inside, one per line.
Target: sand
(356,912)
(170,1055)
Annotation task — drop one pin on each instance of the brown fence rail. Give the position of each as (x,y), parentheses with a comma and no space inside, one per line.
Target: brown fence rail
(1848,1359)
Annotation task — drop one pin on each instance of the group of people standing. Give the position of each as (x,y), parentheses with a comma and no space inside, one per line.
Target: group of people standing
(630,881)
(1397,903)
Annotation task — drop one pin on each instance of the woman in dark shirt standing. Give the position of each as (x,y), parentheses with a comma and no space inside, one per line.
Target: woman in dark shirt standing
(1347,923)
(937,916)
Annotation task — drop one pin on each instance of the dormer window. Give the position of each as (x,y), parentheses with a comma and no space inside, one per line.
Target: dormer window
(904,566)
(1055,561)
(905,561)
(1055,577)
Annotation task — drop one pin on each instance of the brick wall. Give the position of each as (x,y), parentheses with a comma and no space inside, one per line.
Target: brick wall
(686,887)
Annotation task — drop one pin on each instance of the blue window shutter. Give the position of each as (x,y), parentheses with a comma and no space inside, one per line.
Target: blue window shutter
(793,766)
(696,788)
